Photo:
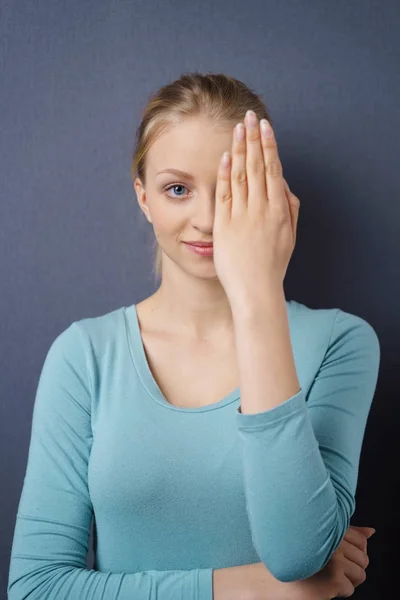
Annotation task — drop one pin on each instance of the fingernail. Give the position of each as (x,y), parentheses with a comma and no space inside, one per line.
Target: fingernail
(225,159)
(240,132)
(265,128)
(251,118)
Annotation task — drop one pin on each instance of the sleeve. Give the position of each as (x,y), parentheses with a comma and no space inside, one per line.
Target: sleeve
(52,529)
(301,458)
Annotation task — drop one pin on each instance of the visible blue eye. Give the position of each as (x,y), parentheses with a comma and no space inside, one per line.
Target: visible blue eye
(173,185)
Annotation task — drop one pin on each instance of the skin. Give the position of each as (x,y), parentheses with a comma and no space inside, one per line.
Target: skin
(190,298)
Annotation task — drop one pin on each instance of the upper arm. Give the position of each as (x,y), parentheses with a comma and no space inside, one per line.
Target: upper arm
(340,399)
(54,512)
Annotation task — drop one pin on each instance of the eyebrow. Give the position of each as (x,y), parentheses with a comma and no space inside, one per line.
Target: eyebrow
(177,172)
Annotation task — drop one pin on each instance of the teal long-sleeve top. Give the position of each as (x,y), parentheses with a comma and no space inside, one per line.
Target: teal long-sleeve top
(177,492)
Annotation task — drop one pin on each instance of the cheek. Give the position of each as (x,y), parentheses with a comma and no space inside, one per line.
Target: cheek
(168,219)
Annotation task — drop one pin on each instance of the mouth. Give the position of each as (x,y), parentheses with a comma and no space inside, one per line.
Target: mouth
(203,250)
(201,244)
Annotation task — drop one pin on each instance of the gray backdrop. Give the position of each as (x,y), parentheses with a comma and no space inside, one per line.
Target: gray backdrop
(75,77)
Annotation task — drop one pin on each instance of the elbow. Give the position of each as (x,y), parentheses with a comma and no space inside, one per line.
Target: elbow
(301,559)
(28,585)
(291,569)
(15,592)
(292,573)
(20,590)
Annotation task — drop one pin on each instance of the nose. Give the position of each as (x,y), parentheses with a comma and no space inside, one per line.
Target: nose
(203,213)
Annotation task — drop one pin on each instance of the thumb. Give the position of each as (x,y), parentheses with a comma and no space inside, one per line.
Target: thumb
(366,531)
(371,533)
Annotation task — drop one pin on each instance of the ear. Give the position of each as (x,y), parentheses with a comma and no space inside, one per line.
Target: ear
(141,198)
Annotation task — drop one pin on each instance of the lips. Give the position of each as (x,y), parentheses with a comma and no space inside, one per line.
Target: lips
(201,244)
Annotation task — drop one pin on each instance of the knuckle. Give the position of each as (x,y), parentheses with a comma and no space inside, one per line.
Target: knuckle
(366,561)
(225,196)
(363,576)
(362,539)
(253,134)
(240,148)
(280,216)
(274,168)
(339,586)
(256,165)
(239,176)
(347,589)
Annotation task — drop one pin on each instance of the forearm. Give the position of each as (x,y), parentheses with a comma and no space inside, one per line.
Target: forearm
(231,584)
(253,582)
(266,367)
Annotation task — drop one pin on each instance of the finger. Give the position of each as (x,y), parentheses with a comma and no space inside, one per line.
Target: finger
(346,588)
(294,206)
(255,168)
(238,170)
(356,538)
(355,554)
(274,172)
(354,572)
(367,531)
(288,190)
(223,193)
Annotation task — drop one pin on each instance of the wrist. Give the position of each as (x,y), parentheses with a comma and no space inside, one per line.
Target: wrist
(297,590)
(262,585)
(250,305)
(287,591)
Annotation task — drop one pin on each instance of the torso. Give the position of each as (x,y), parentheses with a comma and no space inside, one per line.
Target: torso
(190,375)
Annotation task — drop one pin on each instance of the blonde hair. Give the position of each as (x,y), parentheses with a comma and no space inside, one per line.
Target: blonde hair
(217,96)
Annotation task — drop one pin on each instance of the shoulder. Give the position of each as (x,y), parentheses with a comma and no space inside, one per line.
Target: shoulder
(87,340)
(331,330)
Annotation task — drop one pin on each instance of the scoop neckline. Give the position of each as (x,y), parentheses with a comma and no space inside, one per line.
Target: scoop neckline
(143,371)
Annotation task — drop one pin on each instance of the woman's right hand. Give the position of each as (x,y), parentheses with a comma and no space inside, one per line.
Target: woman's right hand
(340,576)
(345,570)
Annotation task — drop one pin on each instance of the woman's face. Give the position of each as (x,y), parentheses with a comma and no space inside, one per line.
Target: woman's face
(185,211)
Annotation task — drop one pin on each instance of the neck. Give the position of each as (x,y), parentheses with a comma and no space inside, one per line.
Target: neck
(201,311)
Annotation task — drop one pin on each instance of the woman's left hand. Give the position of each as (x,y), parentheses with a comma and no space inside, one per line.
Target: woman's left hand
(255,219)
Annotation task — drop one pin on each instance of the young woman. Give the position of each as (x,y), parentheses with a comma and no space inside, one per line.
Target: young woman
(213,431)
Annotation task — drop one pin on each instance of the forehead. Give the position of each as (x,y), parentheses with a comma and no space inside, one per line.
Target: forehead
(194,146)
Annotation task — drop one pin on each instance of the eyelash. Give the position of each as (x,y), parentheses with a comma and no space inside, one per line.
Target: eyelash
(172,185)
